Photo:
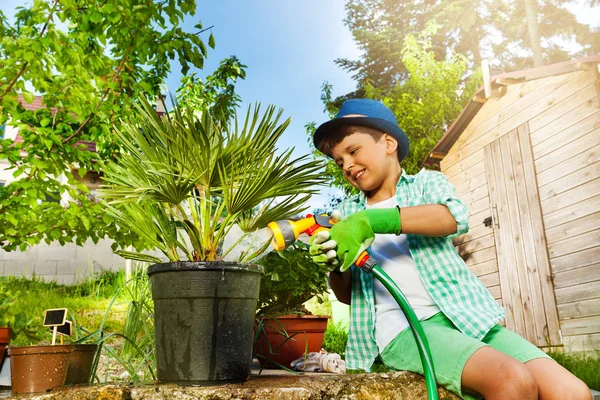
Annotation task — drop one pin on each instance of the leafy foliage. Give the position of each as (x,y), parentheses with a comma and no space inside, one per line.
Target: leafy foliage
(217,95)
(90,63)
(183,181)
(18,320)
(291,278)
(336,337)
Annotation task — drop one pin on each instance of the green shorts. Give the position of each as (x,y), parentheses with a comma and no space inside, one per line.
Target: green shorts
(450,350)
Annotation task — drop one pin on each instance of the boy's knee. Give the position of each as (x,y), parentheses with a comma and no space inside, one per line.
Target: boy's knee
(517,381)
(573,389)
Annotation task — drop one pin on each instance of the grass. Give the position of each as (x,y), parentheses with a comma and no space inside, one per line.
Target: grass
(87,301)
(585,366)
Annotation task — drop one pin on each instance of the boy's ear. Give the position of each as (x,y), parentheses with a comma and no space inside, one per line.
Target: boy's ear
(391,143)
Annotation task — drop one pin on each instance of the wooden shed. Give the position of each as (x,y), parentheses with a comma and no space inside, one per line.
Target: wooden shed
(526,160)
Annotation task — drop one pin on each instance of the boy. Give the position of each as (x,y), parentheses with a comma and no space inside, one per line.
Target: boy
(409,222)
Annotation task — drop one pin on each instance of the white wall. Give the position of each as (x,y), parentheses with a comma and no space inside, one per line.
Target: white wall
(66,264)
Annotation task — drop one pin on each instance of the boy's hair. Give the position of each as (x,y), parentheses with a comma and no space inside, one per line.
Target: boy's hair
(328,143)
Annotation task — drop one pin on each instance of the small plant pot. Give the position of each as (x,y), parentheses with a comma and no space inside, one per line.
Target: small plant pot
(5,335)
(38,369)
(81,362)
(289,337)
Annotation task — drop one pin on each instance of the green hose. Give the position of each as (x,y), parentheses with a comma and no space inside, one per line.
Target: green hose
(417,330)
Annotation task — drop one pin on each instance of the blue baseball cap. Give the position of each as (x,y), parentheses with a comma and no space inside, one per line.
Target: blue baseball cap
(369,113)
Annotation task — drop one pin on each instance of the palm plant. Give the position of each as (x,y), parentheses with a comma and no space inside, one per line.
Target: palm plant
(183,181)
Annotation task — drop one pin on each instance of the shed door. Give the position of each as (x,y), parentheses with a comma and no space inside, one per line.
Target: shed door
(523,263)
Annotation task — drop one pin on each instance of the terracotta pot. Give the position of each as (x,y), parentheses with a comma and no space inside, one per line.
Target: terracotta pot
(5,335)
(81,362)
(306,334)
(38,369)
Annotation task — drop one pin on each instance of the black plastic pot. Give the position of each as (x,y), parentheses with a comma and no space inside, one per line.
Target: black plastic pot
(203,320)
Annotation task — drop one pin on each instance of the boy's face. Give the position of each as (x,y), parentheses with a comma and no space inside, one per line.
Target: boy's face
(365,161)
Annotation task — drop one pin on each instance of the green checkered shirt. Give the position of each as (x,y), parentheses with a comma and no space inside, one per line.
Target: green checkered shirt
(457,291)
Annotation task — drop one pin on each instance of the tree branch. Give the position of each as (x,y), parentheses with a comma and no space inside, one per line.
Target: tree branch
(26,63)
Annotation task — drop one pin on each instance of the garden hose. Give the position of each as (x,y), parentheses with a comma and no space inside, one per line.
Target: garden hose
(416,328)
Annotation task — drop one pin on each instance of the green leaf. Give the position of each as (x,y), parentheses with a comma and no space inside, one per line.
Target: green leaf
(45,121)
(28,96)
(96,17)
(211,41)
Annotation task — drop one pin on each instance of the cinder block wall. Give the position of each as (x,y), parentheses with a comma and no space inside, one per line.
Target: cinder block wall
(66,264)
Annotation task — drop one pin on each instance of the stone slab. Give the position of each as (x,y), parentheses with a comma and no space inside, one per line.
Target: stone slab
(393,386)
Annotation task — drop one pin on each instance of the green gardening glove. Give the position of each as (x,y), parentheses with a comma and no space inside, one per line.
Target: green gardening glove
(355,234)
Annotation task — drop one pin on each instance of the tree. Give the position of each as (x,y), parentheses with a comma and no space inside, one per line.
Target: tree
(216,95)
(503,30)
(432,95)
(90,61)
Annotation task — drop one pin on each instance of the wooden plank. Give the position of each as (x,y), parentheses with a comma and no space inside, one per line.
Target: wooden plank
(485,268)
(580,161)
(489,280)
(477,231)
(573,228)
(580,326)
(567,182)
(572,196)
(576,260)
(520,112)
(476,219)
(553,113)
(528,264)
(540,273)
(496,292)
(466,175)
(503,232)
(465,164)
(567,151)
(480,256)
(572,117)
(584,291)
(574,244)
(572,212)
(582,342)
(480,205)
(510,105)
(471,184)
(580,309)
(573,132)
(577,276)
(476,245)
(474,195)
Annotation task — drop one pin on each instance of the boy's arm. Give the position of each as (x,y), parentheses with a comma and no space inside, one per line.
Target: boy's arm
(341,284)
(428,220)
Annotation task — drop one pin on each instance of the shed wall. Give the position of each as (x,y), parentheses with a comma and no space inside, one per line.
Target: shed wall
(563,116)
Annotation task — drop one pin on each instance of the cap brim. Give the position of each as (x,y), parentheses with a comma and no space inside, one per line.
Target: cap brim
(331,127)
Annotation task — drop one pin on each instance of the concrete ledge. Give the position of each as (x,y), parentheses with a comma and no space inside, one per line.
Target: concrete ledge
(397,386)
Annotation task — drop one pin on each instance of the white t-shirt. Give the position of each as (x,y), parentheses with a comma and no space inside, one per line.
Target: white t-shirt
(393,256)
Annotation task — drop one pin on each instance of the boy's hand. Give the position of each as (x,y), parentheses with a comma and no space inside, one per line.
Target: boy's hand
(356,233)
(322,248)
